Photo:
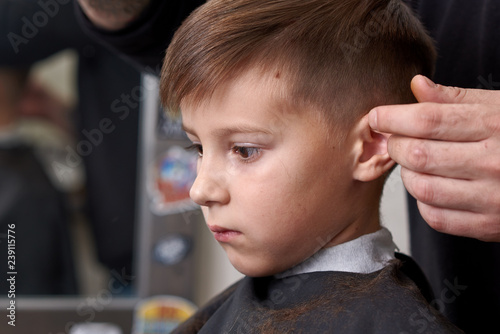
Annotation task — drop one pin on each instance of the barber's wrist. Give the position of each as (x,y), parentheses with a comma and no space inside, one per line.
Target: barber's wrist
(113,14)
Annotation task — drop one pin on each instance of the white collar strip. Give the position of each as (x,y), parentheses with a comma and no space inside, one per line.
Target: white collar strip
(366,254)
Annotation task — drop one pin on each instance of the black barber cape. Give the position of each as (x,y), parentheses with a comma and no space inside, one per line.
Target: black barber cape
(386,301)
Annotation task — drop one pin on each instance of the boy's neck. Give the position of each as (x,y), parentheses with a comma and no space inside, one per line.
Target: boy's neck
(365,218)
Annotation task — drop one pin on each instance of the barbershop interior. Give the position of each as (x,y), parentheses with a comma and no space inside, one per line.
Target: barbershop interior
(98,233)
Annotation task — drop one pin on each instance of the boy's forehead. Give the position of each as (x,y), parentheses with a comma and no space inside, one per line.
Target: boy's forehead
(244,100)
(252,84)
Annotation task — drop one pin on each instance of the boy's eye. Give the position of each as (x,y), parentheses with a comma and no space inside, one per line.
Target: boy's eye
(197,148)
(246,153)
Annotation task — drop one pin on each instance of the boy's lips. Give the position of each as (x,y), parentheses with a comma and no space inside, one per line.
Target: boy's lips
(223,234)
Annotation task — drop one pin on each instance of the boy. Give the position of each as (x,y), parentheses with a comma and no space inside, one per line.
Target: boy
(273,95)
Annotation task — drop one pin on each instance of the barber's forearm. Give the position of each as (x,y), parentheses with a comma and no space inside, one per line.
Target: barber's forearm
(113,14)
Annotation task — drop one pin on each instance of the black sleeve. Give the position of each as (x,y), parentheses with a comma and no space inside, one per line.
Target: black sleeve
(463,272)
(145,40)
(31,30)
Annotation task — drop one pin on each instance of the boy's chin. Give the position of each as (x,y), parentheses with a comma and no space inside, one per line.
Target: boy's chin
(256,270)
(255,264)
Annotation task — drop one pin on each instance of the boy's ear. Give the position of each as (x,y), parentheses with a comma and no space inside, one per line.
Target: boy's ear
(372,158)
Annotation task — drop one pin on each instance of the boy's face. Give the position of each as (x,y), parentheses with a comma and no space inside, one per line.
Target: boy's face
(274,189)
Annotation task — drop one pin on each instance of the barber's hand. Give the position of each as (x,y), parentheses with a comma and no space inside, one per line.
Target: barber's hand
(449,149)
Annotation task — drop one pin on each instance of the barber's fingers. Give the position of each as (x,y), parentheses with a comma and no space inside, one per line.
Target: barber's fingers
(454,206)
(461,160)
(450,122)
(485,227)
(445,113)
(449,148)
(427,91)
(456,194)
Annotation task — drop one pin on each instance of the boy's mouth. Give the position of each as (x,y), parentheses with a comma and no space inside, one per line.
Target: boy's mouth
(222,234)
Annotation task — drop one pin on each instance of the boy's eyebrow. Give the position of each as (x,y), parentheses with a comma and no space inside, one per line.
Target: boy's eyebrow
(231,130)
(239,129)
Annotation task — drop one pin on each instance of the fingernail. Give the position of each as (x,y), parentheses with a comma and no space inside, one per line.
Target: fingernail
(429,82)
(373,119)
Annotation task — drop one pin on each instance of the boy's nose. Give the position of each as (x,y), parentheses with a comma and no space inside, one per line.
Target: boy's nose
(208,188)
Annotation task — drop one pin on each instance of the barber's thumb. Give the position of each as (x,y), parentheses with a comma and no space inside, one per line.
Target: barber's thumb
(425,90)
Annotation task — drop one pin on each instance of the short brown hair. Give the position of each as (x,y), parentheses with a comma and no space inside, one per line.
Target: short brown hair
(341,55)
